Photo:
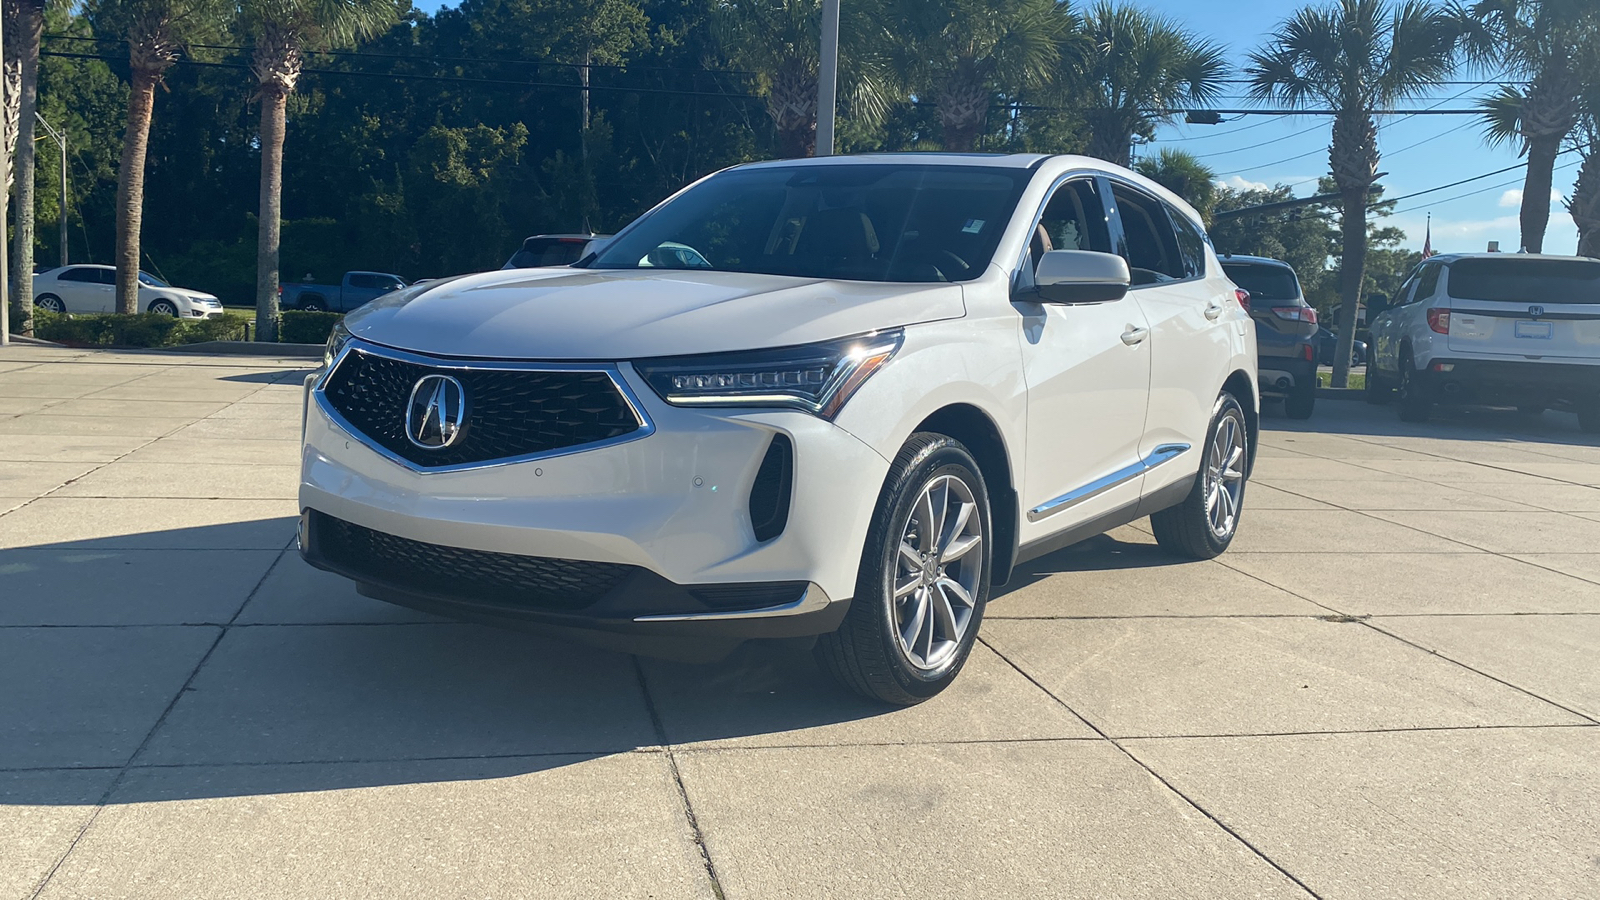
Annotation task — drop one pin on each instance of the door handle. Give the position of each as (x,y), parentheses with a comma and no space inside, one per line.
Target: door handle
(1135,336)
(1213,310)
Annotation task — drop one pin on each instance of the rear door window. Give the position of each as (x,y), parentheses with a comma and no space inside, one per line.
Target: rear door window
(1191,244)
(90,276)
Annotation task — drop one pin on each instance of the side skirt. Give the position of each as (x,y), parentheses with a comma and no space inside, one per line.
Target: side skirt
(1166,497)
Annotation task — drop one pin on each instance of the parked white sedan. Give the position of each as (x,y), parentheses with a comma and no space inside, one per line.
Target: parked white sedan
(93,289)
(852,397)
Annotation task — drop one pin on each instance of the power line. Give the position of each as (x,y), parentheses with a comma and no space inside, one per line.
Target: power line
(1262,144)
(1275,162)
(1205,137)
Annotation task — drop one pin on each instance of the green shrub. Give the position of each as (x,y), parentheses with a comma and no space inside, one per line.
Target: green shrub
(143,330)
(307,327)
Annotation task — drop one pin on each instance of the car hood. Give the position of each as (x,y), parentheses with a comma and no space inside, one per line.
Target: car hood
(582,314)
(181,292)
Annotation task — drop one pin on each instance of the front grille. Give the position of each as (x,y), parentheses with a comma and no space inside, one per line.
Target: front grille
(510,412)
(507,579)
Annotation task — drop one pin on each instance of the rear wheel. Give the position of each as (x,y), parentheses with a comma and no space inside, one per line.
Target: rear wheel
(1203,525)
(1416,403)
(923,581)
(50,302)
(1301,401)
(313,304)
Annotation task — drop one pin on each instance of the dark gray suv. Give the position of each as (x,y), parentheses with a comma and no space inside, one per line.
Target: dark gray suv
(1285,327)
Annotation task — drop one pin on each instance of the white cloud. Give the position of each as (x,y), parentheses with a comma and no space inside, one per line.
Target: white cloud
(1473,235)
(1513,198)
(1240,184)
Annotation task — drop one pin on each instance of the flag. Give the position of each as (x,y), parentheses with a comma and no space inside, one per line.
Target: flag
(1427,240)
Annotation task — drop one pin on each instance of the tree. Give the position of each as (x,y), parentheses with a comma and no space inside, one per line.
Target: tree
(1549,46)
(1182,173)
(961,53)
(1355,57)
(157,32)
(23,41)
(1140,65)
(780,41)
(1584,204)
(283,30)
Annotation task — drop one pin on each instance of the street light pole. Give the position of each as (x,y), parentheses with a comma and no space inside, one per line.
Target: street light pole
(60,138)
(827,77)
(5,262)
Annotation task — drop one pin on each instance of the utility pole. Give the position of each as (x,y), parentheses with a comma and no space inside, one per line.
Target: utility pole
(827,77)
(60,137)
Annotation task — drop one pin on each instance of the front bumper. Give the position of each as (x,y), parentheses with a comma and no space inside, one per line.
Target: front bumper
(1511,381)
(673,509)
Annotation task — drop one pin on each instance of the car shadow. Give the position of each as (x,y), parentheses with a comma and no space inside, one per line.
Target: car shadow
(201,662)
(1356,418)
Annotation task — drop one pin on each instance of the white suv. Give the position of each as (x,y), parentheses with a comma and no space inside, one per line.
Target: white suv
(878,384)
(1492,328)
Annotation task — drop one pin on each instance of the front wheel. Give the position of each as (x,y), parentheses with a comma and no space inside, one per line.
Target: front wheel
(923,581)
(1203,525)
(163,308)
(1375,391)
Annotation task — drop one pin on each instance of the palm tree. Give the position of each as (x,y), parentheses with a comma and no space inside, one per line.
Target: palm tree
(157,31)
(1354,57)
(1548,46)
(1584,203)
(780,41)
(23,41)
(283,31)
(1139,65)
(960,54)
(1184,174)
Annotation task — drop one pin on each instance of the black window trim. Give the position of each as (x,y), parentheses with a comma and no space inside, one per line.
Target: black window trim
(1114,214)
(1026,259)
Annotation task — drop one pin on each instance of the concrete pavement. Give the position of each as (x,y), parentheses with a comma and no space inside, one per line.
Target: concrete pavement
(1388,688)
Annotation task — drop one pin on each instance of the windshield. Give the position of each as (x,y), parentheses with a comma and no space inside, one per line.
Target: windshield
(151,280)
(862,222)
(1512,280)
(1264,282)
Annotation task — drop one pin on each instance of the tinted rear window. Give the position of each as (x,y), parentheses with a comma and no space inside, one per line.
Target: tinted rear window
(1264,282)
(548,252)
(1513,280)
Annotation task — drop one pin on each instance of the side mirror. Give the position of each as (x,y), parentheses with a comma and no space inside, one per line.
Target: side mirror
(1081,276)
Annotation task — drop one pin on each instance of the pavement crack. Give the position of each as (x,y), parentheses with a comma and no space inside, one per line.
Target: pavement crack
(695,832)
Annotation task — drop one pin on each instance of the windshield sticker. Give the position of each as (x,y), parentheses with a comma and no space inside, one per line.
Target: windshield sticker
(973,226)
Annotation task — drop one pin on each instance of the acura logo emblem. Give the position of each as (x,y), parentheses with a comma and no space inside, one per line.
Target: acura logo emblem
(437,409)
(1536,311)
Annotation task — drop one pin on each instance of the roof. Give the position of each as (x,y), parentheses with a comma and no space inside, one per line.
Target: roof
(1239,257)
(998,160)
(1452,257)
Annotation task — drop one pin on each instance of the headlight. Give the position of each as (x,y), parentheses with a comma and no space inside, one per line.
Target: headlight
(818,378)
(337,338)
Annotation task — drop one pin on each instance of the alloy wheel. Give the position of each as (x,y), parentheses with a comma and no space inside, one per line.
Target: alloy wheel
(937,572)
(1225,477)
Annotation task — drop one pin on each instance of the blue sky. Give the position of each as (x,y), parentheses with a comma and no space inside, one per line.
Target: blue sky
(1259,150)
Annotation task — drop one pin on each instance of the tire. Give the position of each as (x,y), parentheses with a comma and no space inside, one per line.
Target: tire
(50,302)
(313,304)
(162,308)
(869,654)
(1416,403)
(1203,525)
(1375,391)
(1301,401)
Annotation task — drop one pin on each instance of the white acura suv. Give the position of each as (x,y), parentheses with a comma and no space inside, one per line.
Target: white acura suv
(875,386)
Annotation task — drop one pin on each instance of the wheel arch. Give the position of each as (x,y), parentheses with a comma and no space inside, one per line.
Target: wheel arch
(979,434)
(1243,387)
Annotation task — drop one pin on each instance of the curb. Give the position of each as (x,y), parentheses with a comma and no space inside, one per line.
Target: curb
(33,342)
(250,348)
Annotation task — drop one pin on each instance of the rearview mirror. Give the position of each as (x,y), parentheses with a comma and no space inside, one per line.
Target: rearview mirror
(1081,276)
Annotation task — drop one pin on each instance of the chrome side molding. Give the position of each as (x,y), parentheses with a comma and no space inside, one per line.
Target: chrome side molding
(1163,453)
